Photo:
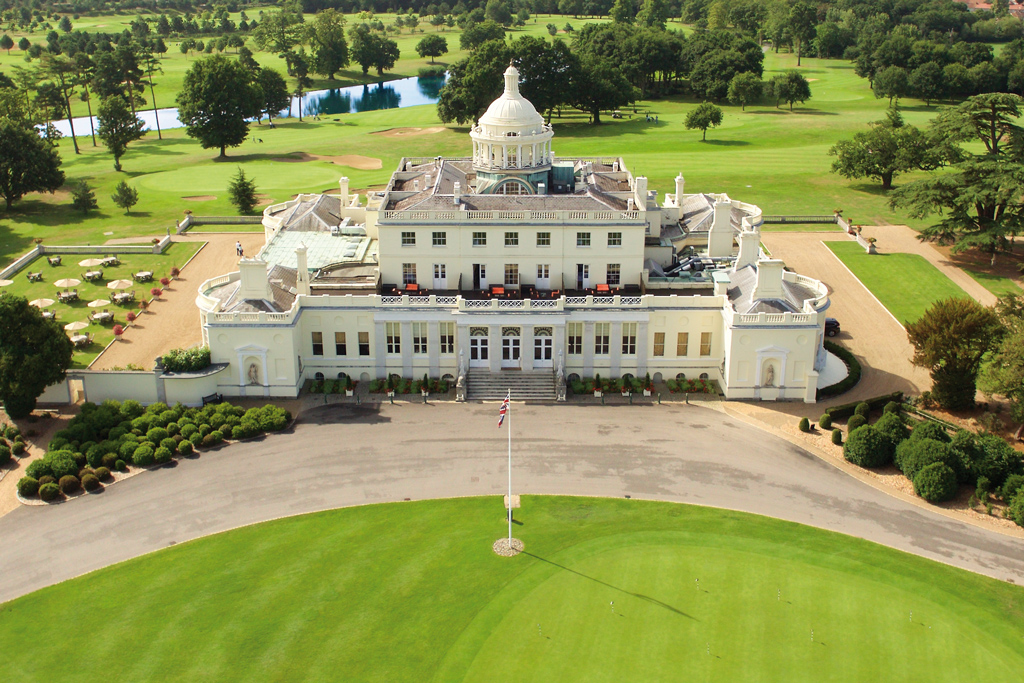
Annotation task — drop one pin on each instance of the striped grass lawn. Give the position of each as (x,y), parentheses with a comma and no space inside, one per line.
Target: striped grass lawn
(413,592)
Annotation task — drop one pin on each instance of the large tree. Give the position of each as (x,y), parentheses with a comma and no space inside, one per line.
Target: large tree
(368,49)
(28,162)
(63,73)
(242,192)
(478,34)
(599,86)
(327,44)
(950,340)
(545,71)
(34,353)
(892,82)
(216,99)
(704,116)
(432,45)
(979,199)
(887,149)
(278,32)
(745,88)
(120,73)
(273,89)
(118,127)
(473,83)
(803,18)
(790,87)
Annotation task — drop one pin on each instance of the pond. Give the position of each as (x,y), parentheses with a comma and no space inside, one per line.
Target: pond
(405,92)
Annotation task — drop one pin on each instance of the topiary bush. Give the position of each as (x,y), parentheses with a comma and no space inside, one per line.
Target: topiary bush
(1016,509)
(855,422)
(1013,485)
(837,437)
(170,444)
(825,421)
(162,455)
(126,450)
(156,435)
(173,428)
(227,431)
(28,487)
(997,459)
(188,430)
(90,482)
(108,460)
(49,492)
(892,407)
(5,455)
(867,448)
(121,466)
(185,448)
(930,430)
(805,424)
(143,456)
(891,426)
(863,409)
(914,455)
(102,473)
(69,484)
(38,469)
(936,482)
(18,448)
(46,479)
(62,464)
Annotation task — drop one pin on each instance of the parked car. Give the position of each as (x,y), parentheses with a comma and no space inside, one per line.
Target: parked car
(831,327)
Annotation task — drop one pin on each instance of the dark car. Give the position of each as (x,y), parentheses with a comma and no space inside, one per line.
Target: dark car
(831,327)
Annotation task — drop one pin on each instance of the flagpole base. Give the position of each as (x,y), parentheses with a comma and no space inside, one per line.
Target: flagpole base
(503,548)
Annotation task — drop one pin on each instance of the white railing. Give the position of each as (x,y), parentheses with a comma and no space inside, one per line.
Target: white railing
(476,303)
(390,300)
(547,303)
(419,300)
(447,300)
(575,301)
(631,300)
(604,301)
(774,318)
(511,303)
(507,216)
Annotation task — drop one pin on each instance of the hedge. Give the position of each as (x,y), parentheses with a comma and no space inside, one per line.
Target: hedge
(935,483)
(187,360)
(848,382)
(847,409)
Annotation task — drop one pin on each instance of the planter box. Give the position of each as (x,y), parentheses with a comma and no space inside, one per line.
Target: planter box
(349,392)
(424,394)
(597,394)
(391,393)
(625,394)
(647,392)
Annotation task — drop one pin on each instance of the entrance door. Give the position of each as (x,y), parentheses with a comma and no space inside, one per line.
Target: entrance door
(479,276)
(543,276)
(542,352)
(510,352)
(582,276)
(478,349)
(440,276)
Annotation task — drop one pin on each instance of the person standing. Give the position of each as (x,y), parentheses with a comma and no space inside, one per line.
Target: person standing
(238,248)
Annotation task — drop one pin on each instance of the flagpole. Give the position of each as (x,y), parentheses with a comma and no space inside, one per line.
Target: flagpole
(510,469)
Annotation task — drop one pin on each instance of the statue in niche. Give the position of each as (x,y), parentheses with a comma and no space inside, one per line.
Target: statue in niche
(254,373)
(769,376)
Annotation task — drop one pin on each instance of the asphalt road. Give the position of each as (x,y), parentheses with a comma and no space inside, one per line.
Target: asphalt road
(345,455)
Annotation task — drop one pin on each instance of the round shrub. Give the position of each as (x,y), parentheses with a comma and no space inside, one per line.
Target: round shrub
(837,437)
(46,479)
(891,426)
(37,469)
(156,435)
(131,409)
(170,444)
(187,430)
(120,466)
(156,408)
(1013,485)
(90,482)
(205,429)
(62,464)
(84,471)
(5,455)
(227,431)
(914,455)
(862,409)
(127,449)
(143,456)
(172,428)
(168,416)
(49,492)
(891,407)
(867,448)
(108,460)
(805,424)
(12,432)
(935,482)
(162,455)
(102,473)
(69,484)
(825,421)
(1016,509)
(28,487)
(79,459)
(143,422)
(185,448)
(930,430)
(18,448)
(854,422)
(217,421)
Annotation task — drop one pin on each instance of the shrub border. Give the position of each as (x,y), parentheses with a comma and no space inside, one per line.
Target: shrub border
(847,409)
(851,379)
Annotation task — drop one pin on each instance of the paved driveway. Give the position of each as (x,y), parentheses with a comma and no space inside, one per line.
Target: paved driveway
(339,456)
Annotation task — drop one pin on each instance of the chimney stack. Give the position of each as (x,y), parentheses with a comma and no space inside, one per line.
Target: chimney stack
(720,235)
(769,279)
(343,186)
(542,188)
(252,274)
(749,248)
(680,186)
(302,268)
(640,190)
(457,191)
(416,185)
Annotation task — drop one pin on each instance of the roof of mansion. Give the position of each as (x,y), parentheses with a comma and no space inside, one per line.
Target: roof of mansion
(741,294)
(282,289)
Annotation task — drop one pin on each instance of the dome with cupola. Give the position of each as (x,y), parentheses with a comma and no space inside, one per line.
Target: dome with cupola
(511,139)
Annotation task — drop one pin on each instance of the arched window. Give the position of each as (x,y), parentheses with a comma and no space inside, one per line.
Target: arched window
(512,187)
(342,375)
(681,375)
(319,377)
(704,377)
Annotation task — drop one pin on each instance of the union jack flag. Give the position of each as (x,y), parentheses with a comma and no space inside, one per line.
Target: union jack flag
(504,408)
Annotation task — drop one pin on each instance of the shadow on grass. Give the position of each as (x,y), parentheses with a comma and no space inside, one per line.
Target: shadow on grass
(641,596)
(727,143)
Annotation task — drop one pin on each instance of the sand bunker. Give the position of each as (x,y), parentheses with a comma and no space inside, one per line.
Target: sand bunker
(407,132)
(262,199)
(200,198)
(353,160)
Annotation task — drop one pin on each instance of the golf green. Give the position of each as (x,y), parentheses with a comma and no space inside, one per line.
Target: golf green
(607,589)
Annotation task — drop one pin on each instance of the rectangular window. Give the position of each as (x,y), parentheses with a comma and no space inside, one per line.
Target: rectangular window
(628,339)
(574,331)
(511,239)
(318,343)
(394,333)
(583,239)
(511,274)
(615,239)
(440,239)
(479,239)
(408,239)
(543,271)
(340,347)
(364,343)
(614,274)
(602,334)
(419,338)
(543,239)
(447,338)
(659,343)
(683,344)
(408,273)
(705,343)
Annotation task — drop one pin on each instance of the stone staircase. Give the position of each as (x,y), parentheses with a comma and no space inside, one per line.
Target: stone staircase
(482,385)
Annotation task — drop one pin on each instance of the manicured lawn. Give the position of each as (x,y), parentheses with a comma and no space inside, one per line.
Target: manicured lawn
(996,284)
(906,284)
(413,592)
(160,265)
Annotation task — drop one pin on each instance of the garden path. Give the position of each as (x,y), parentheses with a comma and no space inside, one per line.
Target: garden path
(173,321)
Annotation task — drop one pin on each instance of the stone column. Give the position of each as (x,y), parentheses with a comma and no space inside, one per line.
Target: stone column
(380,345)
(588,349)
(526,348)
(434,348)
(494,352)
(407,370)
(641,348)
(615,350)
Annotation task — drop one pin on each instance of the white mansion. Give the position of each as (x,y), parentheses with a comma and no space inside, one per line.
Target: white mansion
(519,264)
